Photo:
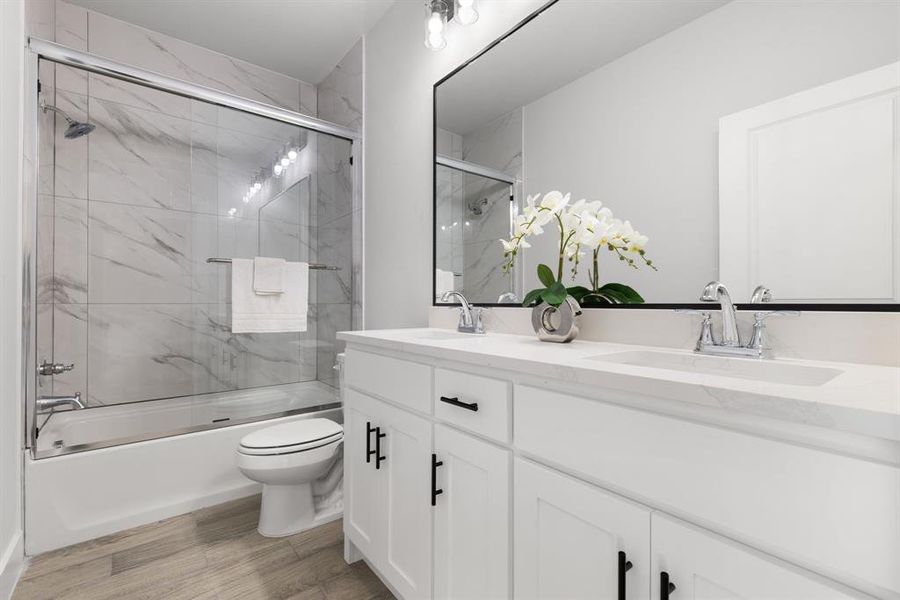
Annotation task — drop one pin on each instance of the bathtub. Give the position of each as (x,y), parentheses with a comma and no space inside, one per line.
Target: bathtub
(108,469)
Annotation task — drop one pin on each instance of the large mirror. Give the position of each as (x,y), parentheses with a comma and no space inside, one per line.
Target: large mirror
(751,142)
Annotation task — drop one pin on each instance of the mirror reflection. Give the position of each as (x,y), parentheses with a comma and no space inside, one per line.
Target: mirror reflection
(750,142)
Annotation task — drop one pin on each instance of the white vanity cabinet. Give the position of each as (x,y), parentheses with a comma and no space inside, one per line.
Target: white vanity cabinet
(697,565)
(489,485)
(387,467)
(574,540)
(471,517)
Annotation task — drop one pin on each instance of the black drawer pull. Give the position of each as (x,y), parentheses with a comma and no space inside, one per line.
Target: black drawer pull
(378,457)
(435,463)
(473,406)
(369,451)
(666,587)
(624,566)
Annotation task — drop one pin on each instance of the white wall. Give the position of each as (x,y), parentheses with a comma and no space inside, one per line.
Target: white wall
(642,132)
(400,73)
(12,39)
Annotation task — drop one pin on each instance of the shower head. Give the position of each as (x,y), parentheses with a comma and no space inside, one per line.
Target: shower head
(76,129)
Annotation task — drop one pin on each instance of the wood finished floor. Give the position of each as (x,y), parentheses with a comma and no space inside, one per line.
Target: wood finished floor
(211,554)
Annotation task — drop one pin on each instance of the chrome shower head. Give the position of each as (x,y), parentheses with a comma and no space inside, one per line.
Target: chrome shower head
(76,129)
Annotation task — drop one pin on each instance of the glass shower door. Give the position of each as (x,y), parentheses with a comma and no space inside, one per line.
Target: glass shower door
(129,212)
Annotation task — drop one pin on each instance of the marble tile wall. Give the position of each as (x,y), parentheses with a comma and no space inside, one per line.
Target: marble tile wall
(129,214)
(498,145)
(339,211)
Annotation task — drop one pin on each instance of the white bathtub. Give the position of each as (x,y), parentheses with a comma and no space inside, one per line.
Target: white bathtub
(79,496)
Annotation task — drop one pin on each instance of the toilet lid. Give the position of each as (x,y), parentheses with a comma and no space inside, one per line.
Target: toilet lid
(295,433)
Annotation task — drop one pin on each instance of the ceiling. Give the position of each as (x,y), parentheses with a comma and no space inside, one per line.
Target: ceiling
(565,42)
(301,38)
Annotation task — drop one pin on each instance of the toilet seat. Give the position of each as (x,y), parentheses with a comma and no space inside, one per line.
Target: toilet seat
(291,438)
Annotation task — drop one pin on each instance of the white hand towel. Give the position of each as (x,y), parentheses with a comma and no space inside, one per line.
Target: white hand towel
(268,275)
(252,312)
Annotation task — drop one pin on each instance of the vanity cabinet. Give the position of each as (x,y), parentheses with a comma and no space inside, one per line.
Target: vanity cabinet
(574,540)
(387,467)
(488,485)
(471,517)
(701,565)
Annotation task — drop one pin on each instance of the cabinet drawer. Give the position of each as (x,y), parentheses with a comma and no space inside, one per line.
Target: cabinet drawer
(835,514)
(393,379)
(479,404)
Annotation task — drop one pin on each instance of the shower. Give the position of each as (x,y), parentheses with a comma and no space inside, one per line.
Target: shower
(76,129)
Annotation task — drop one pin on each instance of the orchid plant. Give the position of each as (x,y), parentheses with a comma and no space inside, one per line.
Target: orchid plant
(584,228)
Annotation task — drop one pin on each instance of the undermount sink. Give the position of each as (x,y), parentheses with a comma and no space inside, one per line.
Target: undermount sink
(771,371)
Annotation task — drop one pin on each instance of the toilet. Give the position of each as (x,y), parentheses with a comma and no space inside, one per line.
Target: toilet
(287,459)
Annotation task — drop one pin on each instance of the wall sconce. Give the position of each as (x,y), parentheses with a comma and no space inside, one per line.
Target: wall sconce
(437,13)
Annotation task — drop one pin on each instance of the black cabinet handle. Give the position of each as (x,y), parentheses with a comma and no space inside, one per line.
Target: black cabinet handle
(666,587)
(435,463)
(473,406)
(369,451)
(624,566)
(378,457)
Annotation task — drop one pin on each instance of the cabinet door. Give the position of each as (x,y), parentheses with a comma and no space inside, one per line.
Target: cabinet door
(471,518)
(406,470)
(568,536)
(365,487)
(704,566)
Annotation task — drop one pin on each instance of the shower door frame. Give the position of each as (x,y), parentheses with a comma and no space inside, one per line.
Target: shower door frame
(38,49)
(517,278)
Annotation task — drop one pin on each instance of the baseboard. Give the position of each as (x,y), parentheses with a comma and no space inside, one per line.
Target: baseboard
(11,562)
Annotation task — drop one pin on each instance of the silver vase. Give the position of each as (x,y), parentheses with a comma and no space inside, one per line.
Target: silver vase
(568,313)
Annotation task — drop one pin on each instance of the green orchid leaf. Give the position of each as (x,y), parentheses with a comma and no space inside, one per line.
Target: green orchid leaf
(578,292)
(532,297)
(545,274)
(627,293)
(555,294)
(595,299)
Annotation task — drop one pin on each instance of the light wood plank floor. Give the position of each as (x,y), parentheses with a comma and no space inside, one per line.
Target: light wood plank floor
(213,553)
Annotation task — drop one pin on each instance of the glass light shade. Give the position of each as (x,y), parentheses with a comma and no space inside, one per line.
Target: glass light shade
(292,154)
(465,12)
(277,169)
(436,14)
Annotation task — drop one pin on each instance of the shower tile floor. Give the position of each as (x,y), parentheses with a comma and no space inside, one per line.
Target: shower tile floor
(214,553)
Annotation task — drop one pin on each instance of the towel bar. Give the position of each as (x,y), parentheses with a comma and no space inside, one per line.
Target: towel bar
(312,266)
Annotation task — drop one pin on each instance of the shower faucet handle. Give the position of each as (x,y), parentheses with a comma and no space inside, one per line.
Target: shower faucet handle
(48,368)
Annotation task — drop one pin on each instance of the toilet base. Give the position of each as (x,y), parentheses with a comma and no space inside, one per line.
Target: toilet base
(286,510)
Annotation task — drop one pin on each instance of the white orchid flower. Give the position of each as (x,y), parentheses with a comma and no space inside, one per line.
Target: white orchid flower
(554,201)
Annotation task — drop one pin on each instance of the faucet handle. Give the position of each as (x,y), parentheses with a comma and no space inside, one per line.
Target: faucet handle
(706,336)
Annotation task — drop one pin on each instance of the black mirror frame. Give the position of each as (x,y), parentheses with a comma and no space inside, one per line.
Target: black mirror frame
(824,307)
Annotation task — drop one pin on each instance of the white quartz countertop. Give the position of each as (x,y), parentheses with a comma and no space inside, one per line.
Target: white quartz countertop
(862,399)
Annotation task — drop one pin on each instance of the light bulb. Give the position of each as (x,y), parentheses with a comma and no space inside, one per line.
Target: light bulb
(436,41)
(292,154)
(465,12)
(277,169)
(435,23)
(257,186)
(285,161)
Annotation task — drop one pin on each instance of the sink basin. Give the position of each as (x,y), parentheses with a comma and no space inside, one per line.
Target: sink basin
(771,371)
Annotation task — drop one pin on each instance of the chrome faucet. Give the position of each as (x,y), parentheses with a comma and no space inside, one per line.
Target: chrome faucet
(716,292)
(470,318)
(51,403)
(730,344)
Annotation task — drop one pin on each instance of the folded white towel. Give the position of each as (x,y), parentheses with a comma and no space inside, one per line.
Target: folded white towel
(252,312)
(268,275)
(443,282)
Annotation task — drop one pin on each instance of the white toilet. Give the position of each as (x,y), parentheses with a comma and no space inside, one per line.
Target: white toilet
(286,459)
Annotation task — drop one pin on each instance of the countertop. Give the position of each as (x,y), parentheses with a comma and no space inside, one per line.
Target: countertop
(861,399)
